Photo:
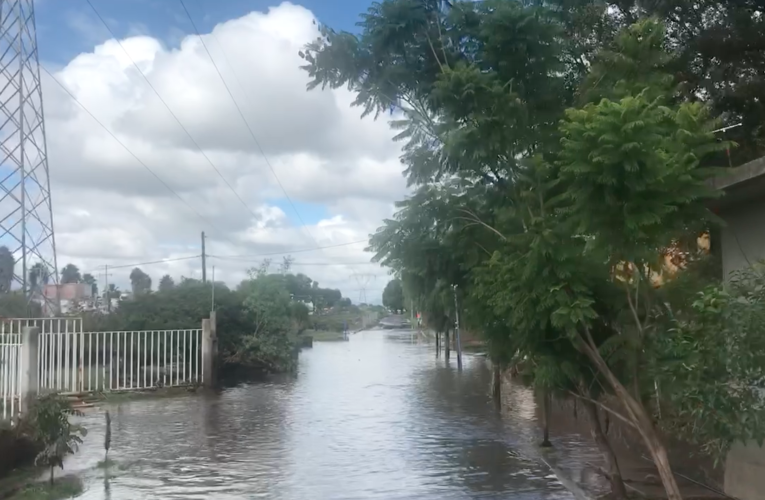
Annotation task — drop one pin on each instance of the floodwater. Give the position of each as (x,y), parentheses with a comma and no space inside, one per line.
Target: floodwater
(377,417)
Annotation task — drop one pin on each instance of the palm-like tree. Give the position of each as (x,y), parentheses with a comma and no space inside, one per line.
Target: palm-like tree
(70,274)
(7,265)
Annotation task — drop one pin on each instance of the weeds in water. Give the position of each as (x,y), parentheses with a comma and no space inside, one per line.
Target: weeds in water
(64,488)
(107,436)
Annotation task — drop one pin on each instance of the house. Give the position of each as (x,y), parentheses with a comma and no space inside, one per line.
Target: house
(70,295)
(742,239)
(742,242)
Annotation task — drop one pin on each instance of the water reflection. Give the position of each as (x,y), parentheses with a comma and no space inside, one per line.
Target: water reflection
(375,417)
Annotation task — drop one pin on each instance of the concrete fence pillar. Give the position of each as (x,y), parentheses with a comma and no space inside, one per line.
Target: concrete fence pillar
(209,351)
(28,385)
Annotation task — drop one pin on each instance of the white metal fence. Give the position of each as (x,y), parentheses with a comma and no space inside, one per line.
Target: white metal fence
(10,373)
(73,361)
(122,360)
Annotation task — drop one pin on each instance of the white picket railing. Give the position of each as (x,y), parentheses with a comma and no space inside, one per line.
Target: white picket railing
(120,360)
(10,373)
(73,361)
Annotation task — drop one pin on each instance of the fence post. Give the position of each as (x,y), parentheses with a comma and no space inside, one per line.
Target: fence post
(209,351)
(30,337)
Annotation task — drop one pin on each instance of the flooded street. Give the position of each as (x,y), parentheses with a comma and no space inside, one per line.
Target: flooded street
(377,417)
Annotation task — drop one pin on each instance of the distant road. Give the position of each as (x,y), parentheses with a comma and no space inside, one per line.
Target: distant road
(395,321)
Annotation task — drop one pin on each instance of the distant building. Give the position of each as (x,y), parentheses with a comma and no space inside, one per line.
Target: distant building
(69,295)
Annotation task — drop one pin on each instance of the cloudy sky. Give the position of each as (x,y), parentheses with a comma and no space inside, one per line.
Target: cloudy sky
(310,173)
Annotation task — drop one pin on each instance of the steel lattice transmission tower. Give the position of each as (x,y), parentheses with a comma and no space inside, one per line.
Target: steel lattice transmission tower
(26,211)
(363,281)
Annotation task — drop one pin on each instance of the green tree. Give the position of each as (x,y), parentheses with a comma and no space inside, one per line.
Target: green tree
(711,41)
(140,282)
(50,424)
(89,279)
(39,276)
(70,274)
(113,292)
(393,295)
(639,156)
(7,265)
(166,283)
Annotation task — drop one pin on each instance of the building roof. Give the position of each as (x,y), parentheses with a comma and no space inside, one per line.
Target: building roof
(741,184)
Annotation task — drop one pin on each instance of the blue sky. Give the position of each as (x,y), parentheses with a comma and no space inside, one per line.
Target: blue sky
(67,28)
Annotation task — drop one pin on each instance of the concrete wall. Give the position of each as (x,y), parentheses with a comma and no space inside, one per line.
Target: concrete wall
(743,244)
(745,472)
(743,237)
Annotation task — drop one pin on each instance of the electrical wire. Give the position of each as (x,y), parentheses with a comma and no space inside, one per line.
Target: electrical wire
(162,261)
(246,123)
(196,144)
(144,165)
(234,257)
(244,119)
(291,251)
(301,263)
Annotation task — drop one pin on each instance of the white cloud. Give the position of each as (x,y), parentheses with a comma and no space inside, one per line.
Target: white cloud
(109,209)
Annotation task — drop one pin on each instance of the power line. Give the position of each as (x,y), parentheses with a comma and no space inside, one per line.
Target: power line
(144,165)
(196,144)
(162,261)
(246,123)
(303,263)
(292,251)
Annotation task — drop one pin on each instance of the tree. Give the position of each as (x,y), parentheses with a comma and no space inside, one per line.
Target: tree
(7,265)
(556,161)
(140,281)
(88,278)
(638,155)
(113,292)
(393,295)
(39,276)
(166,283)
(49,421)
(70,274)
(711,41)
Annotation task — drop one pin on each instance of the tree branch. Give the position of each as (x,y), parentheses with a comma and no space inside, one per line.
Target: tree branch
(605,408)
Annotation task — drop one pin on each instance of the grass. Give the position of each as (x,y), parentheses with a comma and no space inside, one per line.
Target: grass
(117,396)
(324,336)
(19,479)
(62,488)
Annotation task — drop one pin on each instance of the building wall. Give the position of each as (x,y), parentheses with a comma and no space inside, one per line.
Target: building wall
(743,244)
(743,236)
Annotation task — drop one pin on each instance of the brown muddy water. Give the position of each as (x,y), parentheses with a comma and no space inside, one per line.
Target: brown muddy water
(377,417)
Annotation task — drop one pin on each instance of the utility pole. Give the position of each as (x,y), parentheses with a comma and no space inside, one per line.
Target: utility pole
(107,295)
(457,329)
(204,260)
(411,313)
(213,288)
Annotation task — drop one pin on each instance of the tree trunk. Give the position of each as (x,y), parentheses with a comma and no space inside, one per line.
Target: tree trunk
(438,343)
(496,385)
(612,466)
(447,350)
(546,410)
(51,475)
(639,417)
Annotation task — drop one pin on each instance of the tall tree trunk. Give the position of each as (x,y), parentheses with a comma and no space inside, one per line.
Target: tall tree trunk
(438,343)
(447,350)
(496,384)
(640,418)
(546,410)
(612,466)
